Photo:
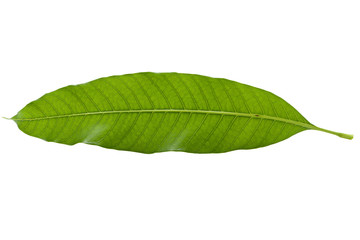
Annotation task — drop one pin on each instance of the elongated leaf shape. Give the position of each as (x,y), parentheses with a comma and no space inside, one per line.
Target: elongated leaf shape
(157,112)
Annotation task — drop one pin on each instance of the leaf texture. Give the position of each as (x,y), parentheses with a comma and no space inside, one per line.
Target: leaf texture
(157,112)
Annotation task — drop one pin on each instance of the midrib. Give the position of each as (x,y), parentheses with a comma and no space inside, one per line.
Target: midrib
(249,115)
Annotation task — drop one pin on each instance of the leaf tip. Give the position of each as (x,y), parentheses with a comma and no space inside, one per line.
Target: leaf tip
(6,118)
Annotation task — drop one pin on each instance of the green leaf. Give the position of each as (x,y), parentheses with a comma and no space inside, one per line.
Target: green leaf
(157,112)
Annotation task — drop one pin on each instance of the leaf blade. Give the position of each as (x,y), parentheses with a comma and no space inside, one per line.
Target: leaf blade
(140,112)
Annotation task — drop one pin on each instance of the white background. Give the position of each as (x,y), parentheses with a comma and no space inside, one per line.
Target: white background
(307,187)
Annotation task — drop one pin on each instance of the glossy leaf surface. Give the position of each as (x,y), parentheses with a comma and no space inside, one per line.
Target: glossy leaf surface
(156,112)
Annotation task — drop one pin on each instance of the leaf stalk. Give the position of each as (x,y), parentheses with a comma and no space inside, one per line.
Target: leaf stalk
(342,135)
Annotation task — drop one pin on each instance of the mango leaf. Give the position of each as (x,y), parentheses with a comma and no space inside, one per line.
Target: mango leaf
(157,112)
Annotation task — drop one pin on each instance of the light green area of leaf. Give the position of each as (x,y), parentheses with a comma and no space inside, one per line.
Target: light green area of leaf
(157,112)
